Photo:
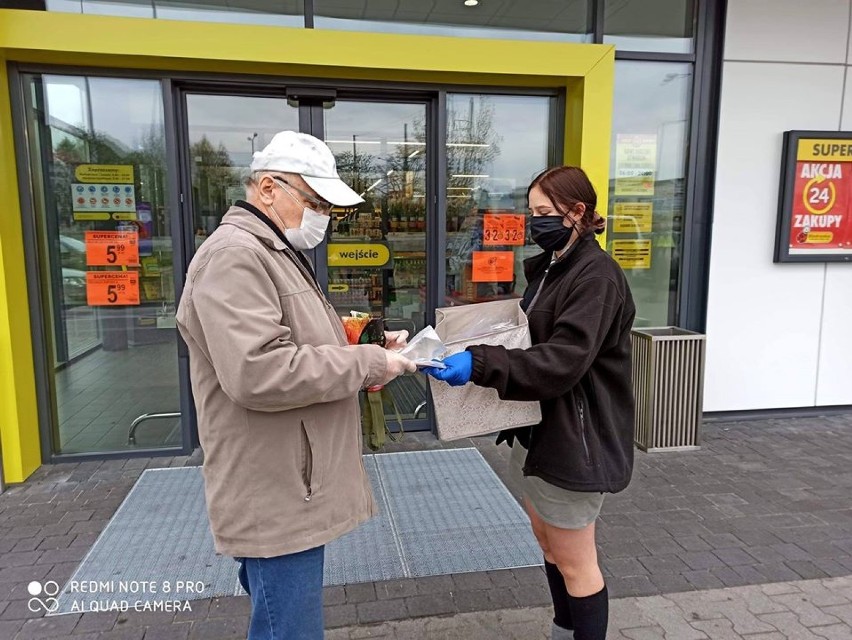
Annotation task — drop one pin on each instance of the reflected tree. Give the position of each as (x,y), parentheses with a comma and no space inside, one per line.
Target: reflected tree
(213,173)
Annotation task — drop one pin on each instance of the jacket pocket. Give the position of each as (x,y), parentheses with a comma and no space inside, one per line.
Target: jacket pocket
(581,412)
(311,467)
(307,464)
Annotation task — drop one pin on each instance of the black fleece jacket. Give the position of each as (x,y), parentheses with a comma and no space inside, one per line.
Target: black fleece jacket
(579,368)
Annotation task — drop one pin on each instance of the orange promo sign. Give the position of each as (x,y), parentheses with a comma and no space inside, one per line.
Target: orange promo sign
(503,229)
(493,266)
(112,248)
(112,288)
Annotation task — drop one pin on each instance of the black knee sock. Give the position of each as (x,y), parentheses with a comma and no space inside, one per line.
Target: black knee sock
(590,615)
(559,594)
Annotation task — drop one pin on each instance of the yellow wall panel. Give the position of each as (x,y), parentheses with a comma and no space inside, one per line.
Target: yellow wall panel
(19,434)
(33,35)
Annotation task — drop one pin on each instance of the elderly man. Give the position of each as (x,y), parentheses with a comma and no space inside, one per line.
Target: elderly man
(276,387)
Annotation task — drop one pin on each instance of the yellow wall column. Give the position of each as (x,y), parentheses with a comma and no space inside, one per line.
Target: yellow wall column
(19,433)
(588,126)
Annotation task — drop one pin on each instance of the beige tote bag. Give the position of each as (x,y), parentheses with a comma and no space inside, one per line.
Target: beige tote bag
(467,411)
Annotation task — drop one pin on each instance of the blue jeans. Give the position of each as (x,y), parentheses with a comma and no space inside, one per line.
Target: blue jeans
(286,595)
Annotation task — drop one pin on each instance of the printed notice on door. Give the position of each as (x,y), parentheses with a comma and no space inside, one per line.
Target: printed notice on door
(635,164)
(112,248)
(632,254)
(112,288)
(103,192)
(633,217)
(493,266)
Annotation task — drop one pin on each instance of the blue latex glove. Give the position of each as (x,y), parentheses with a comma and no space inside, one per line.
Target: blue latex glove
(458,371)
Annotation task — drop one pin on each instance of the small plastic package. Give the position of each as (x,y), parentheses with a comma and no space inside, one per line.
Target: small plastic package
(426,349)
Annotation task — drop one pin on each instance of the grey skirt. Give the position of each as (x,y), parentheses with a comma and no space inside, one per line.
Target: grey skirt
(556,506)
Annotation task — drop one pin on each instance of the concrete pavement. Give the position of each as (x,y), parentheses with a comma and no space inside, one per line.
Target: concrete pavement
(801,610)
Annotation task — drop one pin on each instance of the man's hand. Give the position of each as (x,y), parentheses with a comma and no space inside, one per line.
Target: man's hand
(397,365)
(396,340)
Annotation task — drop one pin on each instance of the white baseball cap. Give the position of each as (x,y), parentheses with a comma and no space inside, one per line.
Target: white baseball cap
(294,152)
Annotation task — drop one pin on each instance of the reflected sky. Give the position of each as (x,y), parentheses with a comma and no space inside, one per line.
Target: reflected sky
(653,98)
(519,122)
(233,122)
(127,120)
(649,98)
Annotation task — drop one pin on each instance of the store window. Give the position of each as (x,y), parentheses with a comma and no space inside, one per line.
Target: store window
(282,13)
(568,21)
(496,145)
(647,204)
(105,260)
(666,26)
(223,132)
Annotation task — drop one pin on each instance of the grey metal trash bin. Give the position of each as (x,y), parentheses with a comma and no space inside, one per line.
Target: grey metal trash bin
(668,384)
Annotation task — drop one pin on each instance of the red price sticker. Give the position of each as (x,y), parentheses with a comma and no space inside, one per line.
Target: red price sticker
(112,248)
(503,229)
(112,288)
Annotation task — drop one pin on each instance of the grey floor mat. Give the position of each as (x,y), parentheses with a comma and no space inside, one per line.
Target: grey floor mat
(453,515)
(369,553)
(442,512)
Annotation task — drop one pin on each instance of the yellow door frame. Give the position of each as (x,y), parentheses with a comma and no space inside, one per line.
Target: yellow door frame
(584,71)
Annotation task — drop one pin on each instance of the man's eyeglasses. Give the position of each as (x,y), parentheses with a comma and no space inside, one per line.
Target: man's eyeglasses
(321,206)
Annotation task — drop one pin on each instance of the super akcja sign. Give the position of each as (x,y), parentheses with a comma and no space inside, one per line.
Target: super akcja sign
(815,205)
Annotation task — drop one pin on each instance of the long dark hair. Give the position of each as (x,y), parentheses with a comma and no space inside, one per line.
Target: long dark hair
(566,187)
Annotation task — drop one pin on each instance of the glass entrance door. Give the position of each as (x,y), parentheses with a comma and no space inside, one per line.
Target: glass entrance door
(374,260)
(377,259)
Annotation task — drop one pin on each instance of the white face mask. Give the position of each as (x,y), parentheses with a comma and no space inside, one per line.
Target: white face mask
(312,230)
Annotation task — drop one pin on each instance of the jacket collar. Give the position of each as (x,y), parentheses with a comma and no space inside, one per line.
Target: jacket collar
(537,264)
(247,217)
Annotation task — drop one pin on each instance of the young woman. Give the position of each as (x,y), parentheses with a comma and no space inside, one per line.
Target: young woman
(580,313)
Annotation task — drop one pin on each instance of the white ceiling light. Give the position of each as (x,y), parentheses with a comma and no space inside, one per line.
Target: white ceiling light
(471,3)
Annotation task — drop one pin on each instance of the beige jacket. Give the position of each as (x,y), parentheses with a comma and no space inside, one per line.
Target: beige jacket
(276,391)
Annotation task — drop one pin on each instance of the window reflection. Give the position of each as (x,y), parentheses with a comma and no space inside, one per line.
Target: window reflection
(650,25)
(648,182)
(285,13)
(224,132)
(495,146)
(534,20)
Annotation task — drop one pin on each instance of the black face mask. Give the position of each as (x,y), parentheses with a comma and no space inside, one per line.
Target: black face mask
(550,233)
